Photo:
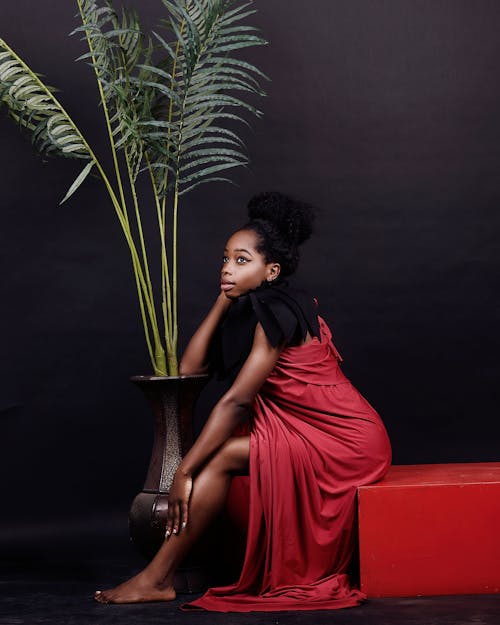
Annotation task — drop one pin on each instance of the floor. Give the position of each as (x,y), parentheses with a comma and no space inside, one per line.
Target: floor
(52,583)
(70,603)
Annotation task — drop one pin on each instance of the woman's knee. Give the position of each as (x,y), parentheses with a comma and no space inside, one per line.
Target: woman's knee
(233,455)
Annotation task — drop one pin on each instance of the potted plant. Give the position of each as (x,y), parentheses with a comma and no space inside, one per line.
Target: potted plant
(172,101)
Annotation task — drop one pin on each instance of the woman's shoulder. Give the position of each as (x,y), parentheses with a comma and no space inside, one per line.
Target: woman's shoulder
(286,313)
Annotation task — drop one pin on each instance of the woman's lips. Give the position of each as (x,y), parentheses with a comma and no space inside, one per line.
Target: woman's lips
(226,286)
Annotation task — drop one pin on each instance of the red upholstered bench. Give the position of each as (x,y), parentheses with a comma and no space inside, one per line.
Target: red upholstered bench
(431,529)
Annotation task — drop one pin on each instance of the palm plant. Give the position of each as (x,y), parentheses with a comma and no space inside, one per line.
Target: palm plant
(169,100)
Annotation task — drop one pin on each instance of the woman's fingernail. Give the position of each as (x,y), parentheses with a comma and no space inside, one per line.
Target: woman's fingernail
(167,533)
(184,525)
(175,530)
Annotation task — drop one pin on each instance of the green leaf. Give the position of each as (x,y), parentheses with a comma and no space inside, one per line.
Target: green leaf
(81,177)
(216,152)
(166,46)
(209,170)
(238,63)
(204,181)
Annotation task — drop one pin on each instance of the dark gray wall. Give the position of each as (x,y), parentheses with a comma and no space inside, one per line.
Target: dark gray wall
(382,113)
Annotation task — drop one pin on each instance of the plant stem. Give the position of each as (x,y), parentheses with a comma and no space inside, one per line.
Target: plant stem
(174,266)
(165,275)
(160,364)
(168,303)
(139,278)
(169,306)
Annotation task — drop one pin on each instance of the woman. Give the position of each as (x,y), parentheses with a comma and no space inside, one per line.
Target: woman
(311,438)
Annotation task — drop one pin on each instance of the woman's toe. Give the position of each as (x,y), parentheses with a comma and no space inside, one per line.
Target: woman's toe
(100,596)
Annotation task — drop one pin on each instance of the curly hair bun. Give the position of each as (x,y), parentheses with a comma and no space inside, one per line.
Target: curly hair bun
(291,218)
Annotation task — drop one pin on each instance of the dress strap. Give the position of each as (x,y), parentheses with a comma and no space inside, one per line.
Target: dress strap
(286,314)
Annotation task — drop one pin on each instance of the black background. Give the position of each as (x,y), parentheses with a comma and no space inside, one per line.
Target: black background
(386,115)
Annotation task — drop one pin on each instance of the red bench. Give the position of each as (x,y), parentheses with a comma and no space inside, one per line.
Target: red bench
(431,529)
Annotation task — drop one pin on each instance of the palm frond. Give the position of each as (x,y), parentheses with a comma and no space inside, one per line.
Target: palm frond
(32,104)
(116,45)
(34,107)
(203,88)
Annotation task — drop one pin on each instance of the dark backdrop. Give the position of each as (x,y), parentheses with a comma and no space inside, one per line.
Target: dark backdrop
(385,114)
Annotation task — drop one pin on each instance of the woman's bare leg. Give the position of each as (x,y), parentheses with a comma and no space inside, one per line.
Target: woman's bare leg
(210,488)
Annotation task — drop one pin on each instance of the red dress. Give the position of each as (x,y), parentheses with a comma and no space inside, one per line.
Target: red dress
(314,439)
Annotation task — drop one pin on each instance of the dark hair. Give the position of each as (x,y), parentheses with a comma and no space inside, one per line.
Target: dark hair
(281,225)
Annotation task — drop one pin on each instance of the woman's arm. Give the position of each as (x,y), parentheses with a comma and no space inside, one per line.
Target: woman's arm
(195,357)
(226,414)
(234,404)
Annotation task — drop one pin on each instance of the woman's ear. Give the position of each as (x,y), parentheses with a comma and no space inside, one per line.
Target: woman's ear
(273,271)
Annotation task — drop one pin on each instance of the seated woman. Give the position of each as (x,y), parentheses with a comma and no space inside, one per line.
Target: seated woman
(311,438)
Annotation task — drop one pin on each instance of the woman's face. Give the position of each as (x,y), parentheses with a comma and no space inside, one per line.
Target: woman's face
(243,267)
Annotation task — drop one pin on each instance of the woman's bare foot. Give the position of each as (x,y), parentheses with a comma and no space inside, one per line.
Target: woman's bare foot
(138,589)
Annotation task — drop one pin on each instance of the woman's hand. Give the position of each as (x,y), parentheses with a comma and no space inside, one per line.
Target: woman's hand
(224,301)
(195,357)
(178,503)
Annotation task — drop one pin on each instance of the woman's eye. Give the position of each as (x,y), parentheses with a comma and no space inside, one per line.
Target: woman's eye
(241,260)
(225,259)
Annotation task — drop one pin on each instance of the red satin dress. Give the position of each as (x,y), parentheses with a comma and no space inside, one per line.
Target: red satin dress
(314,439)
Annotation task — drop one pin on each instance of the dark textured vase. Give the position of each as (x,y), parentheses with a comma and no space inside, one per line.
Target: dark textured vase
(172,400)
